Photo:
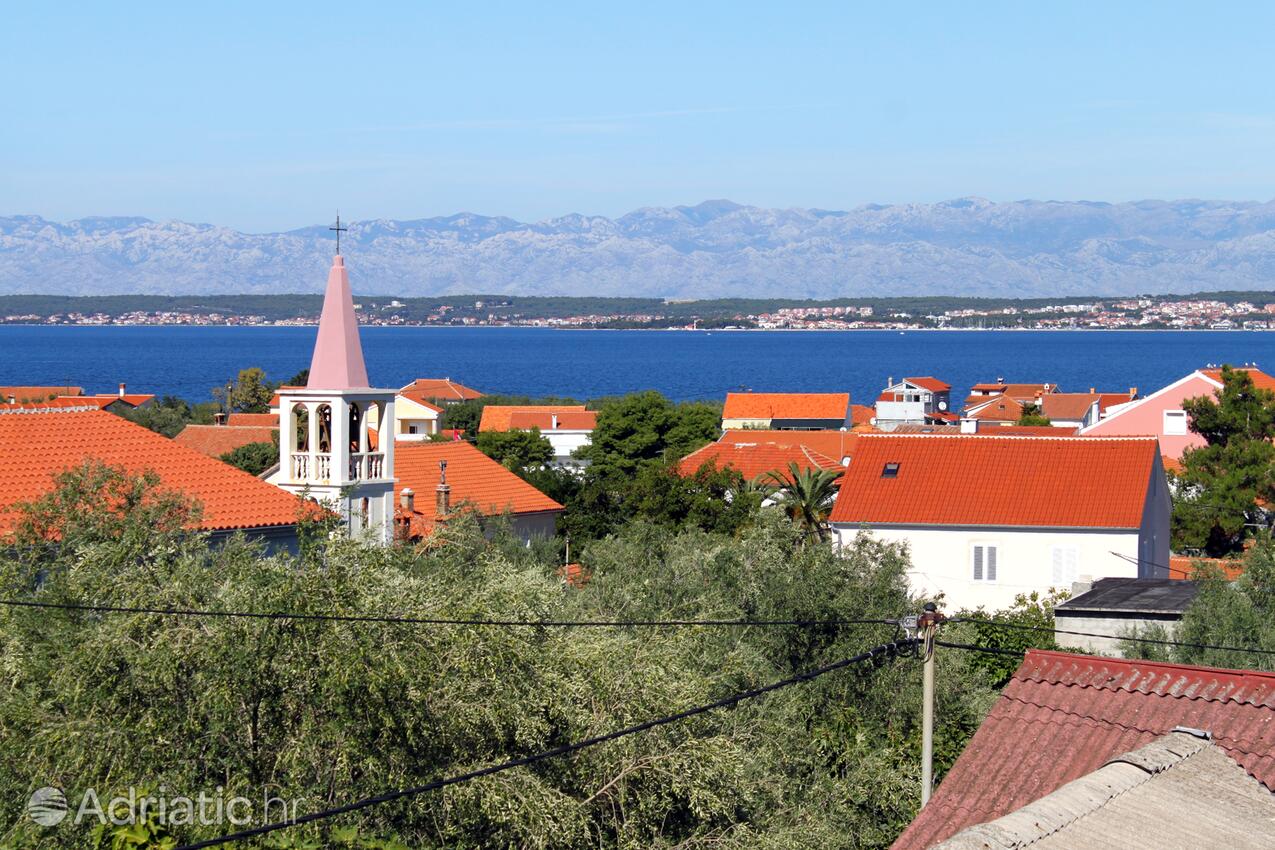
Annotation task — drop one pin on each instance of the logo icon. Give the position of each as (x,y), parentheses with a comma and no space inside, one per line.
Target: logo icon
(47,806)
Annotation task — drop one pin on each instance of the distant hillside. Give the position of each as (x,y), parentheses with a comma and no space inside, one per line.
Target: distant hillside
(718,249)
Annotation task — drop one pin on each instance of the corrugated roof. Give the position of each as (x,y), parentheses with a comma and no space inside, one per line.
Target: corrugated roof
(1041,482)
(37,446)
(499,417)
(1063,715)
(217,440)
(1177,791)
(786,406)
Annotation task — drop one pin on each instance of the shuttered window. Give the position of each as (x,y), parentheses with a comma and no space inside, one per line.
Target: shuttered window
(984,563)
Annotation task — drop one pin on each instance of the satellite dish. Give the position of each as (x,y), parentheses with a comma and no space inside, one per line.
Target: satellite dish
(942,405)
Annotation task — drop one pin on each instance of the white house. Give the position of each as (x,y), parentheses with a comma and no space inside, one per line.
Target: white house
(987,518)
(566,427)
(914,401)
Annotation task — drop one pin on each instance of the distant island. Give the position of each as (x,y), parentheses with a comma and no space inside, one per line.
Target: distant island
(713,250)
(1203,311)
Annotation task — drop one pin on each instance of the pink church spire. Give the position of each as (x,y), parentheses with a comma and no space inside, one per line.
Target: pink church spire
(338,356)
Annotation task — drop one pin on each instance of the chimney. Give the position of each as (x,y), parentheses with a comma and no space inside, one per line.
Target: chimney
(1092,390)
(12,399)
(553,422)
(219,418)
(407,500)
(443,494)
(1133,392)
(121,389)
(969,425)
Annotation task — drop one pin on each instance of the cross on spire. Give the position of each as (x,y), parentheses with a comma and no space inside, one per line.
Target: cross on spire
(339,230)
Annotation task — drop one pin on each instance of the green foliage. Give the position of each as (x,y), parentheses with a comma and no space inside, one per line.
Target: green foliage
(466,415)
(250,392)
(516,450)
(806,496)
(1239,614)
(1031,609)
(330,712)
(255,458)
(645,428)
(1031,415)
(1222,481)
(169,415)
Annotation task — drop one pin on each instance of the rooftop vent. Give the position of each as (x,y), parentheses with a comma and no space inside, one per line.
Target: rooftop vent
(890,470)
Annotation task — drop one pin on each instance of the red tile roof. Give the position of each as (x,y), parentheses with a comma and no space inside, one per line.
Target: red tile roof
(833,444)
(499,417)
(105,400)
(21,394)
(270,419)
(1106,400)
(786,406)
(753,460)
(1063,715)
(1050,482)
(1261,380)
(217,440)
(1022,392)
(60,403)
(35,447)
(930,383)
(997,409)
(474,478)
(861,414)
(1182,567)
(568,420)
(1068,405)
(439,388)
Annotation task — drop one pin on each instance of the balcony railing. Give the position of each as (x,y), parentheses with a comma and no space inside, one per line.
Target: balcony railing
(364,466)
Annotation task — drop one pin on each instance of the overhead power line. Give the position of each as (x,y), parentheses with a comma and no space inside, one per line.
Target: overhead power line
(886,649)
(1024,627)
(990,650)
(434,621)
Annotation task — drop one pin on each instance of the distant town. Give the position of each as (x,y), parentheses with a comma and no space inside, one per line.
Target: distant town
(1214,311)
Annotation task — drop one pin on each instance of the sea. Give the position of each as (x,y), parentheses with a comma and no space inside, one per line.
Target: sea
(589,364)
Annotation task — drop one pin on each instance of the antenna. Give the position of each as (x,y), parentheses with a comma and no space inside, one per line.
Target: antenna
(339,230)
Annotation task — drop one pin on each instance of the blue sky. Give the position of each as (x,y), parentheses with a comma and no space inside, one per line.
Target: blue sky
(268,116)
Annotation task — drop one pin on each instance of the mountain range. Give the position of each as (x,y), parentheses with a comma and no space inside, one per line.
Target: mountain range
(716,249)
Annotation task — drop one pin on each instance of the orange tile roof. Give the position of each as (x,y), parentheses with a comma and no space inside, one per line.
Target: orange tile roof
(1068,405)
(1018,391)
(833,444)
(568,420)
(105,400)
(753,460)
(439,388)
(861,414)
(928,382)
(498,417)
(21,394)
(998,409)
(1058,482)
(1261,380)
(474,478)
(270,419)
(60,403)
(786,406)
(1182,567)
(217,440)
(35,447)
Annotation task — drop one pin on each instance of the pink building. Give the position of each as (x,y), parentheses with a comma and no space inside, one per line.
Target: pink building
(1161,415)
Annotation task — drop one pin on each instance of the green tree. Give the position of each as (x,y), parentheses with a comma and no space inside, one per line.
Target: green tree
(169,415)
(466,415)
(516,450)
(1032,415)
(249,393)
(1221,482)
(255,458)
(806,496)
(646,428)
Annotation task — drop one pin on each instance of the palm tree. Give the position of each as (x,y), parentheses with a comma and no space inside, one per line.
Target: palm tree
(806,495)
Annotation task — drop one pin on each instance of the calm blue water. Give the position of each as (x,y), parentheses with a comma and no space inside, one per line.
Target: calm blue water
(189,361)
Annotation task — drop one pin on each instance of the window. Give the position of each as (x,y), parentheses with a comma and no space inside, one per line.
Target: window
(1066,561)
(984,557)
(890,470)
(411,429)
(1174,422)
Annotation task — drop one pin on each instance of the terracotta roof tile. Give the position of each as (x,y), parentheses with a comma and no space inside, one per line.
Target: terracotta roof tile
(1054,482)
(833,444)
(1064,715)
(217,440)
(498,417)
(473,477)
(21,394)
(786,406)
(60,403)
(1022,392)
(930,383)
(37,446)
(753,460)
(439,388)
(568,420)
(1068,405)
(1182,567)
(861,414)
(996,409)
(270,419)
(105,400)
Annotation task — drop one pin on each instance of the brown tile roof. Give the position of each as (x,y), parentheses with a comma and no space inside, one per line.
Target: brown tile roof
(997,409)
(270,419)
(1054,482)
(1064,715)
(439,388)
(21,394)
(499,417)
(474,478)
(217,440)
(1068,405)
(786,406)
(35,447)
(568,420)
(930,383)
